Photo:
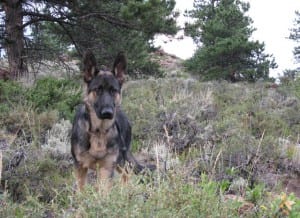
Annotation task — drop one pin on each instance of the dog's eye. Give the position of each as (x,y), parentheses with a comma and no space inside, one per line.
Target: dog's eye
(99,89)
(113,91)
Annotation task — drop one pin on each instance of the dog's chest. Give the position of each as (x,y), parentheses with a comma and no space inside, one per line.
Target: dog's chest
(102,144)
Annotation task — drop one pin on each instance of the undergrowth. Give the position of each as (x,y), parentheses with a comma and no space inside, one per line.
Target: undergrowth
(168,196)
(215,144)
(46,94)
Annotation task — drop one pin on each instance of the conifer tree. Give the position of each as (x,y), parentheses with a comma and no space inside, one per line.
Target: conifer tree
(295,35)
(105,26)
(222,33)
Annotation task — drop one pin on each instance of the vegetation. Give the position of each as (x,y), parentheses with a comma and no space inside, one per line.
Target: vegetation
(47,94)
(295,35)
(59,25)
(222,32)
(213,143)
(50,94)
(222,149)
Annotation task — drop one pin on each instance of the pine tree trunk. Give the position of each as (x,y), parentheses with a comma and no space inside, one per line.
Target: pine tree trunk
(14,41)
(0,165)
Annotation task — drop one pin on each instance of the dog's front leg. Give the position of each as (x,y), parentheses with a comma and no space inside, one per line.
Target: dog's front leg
(80,173)
(104,176)
(124,174)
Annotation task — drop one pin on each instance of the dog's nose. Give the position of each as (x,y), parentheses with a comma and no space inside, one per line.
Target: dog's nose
(107,113)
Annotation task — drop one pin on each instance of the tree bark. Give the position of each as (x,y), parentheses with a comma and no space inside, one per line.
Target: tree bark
(14,43)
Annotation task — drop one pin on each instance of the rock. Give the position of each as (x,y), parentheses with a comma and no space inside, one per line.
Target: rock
(238,186)
(58,138)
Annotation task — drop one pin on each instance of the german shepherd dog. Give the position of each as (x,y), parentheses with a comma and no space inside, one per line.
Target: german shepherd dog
(101,133)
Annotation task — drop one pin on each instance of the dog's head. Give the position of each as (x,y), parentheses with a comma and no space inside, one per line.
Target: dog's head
(103,88)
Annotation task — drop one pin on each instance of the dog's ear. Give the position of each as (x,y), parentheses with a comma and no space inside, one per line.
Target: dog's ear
(89,66)
(119,67)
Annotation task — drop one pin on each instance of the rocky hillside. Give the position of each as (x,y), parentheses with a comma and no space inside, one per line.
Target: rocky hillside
(222,149)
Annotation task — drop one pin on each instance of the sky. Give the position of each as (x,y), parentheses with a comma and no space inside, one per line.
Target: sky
(272,19)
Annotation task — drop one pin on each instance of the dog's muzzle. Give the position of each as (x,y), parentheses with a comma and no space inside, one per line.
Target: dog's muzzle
(106,113)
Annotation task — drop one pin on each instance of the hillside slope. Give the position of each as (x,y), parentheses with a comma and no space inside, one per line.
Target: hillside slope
(209,140)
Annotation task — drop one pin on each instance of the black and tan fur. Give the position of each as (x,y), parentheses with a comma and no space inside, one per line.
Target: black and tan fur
(101,133)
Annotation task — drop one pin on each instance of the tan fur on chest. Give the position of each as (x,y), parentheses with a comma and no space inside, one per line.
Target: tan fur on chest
(99,153)
(99,143)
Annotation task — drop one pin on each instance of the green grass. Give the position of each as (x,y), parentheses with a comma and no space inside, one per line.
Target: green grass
(170,197)
(174,195)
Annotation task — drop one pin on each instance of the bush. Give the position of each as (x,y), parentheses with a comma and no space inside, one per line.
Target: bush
(33,110)
(10,93)
(35,172)
(50,93)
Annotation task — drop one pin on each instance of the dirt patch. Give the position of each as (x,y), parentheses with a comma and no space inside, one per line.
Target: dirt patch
(171,64)
(292,185)
(289,183)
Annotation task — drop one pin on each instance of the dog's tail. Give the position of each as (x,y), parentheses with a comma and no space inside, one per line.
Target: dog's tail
(125,152)
(136,166)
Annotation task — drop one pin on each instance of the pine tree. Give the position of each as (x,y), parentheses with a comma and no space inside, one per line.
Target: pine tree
(222,33)
(295,35)
(105,27)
